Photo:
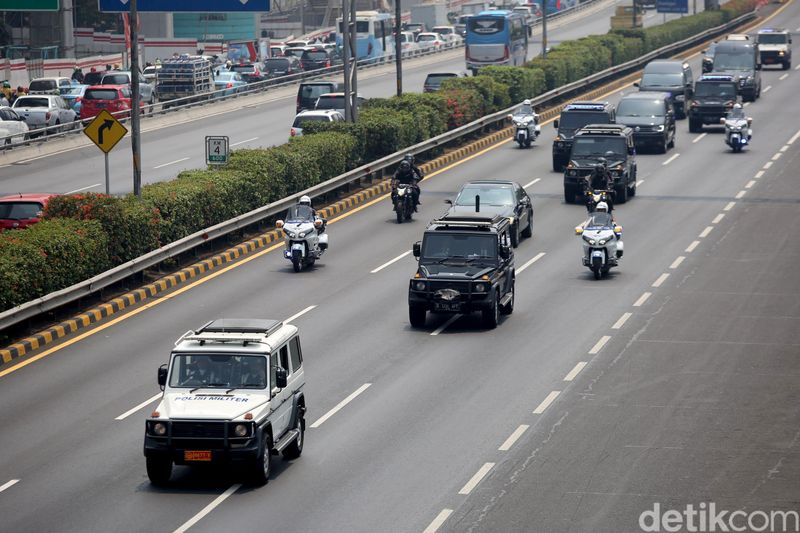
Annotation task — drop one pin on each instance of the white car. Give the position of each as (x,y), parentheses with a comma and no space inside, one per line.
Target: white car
(448,33)
(12,126)
(335,102)
(51,85)
(408,42)
(428,40)
(320,115)
(42,110)
(150,73)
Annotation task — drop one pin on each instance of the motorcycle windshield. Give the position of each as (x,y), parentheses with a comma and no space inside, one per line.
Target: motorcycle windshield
(599,220)
(300,213)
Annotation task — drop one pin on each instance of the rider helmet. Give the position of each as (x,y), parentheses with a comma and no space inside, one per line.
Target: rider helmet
(409,158)
(526,102)
(405,165)
(737,106)
(305,200)
(601,207)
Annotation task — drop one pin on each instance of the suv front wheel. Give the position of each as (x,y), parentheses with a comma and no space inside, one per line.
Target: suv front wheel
(416,315)
(491,315)
(263,464)
(159,470)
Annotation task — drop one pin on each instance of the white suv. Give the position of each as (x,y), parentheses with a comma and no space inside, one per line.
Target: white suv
(317,115)
(233,394)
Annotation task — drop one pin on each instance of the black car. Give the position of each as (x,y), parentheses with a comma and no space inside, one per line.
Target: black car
(433,81)
(614,143)
(652,118)
(250,72)
(317,58)
(574,116)
(742,58)
(670,76)
(466,264)
(275,67)
(309,92)
(714,96)
(497,197)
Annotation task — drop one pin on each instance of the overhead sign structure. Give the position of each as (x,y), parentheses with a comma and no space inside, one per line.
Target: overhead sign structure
(105,131)
(217,150)
(672,6)
(29,5)
(177,6)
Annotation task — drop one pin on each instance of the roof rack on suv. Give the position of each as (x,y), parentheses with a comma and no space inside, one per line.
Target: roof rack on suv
(476,221)
(237,330)
(602,129)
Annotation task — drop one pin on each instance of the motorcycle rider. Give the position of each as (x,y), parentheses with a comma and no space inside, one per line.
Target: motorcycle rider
(601,180)
(735,115)
(306,200)
(409,174)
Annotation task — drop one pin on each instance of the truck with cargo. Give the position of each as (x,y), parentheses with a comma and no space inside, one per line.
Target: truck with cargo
(189,77)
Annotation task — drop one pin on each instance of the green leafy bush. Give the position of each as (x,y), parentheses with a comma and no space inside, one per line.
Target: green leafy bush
(522,83)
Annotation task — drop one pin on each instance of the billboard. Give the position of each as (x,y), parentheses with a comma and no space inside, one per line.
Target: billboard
(672,6)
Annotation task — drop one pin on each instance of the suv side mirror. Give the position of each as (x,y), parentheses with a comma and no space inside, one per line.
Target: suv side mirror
(448,201)
(636,84)
(417,249)
(162,376)
(505,251)
(555,123)
(631,150)
(280,378)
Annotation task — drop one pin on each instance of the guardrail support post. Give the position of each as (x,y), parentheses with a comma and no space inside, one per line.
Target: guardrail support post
(398,46)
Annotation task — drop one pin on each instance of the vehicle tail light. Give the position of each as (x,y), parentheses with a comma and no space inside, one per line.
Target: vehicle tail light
(328,64)
(78,99)
(292,133)
(47,115)
(230,85)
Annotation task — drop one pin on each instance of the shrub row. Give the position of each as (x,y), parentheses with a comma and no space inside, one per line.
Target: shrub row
(85,234)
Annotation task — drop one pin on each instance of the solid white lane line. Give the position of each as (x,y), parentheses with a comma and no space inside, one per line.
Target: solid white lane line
(298,315)
(537,180)
(740,195)
(208,508)
(599,344)
(546,402)
(729,206)
(642,299)
(446,324)
(171,163)
(671,159)
(340,405)
(390,262)
(767,88)
(142,405)
(434,526)
(784,148)
(718,218)
(759,174)
(675,264)
(661,279)
(639,182)
(767,165)
(696,139)
(794,138)
(691,247)
(513,438)
(750,184)
(83,188)
(245,141)
(798,66)
(531,261)
(8,484)
(479,475)
(706,231)
(777,156)
(575,371)
(621,320)
(784,77)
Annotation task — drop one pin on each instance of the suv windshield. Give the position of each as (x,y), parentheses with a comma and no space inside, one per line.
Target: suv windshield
(662,80)
(438,246)
(315,90)
(276,64)
(772,38)
(299,121)
(436,80)
(115,79)
(497,196)
(330,102)
(219,371)
(315,55)
(641,108)
(728,61)
(599,146)
(30,101)
(575,120)
(720,90)
(42,85)
(19,210)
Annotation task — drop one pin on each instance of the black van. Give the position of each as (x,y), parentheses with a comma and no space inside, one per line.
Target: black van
(651,117)
(309,91)
(740,58)
(671,76)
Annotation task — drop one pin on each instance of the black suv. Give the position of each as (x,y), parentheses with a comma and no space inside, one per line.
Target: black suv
(714,96)
(652,118)
(743,59)
(670,76)
(574,116)
(614,142)
(465,264)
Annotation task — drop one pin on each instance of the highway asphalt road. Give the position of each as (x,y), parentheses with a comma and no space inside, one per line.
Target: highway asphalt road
(167,151)
(693,398)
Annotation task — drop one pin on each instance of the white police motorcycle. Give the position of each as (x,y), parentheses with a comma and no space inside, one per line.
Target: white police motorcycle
(304,235)
(602,243)
(737,129)
(526,123)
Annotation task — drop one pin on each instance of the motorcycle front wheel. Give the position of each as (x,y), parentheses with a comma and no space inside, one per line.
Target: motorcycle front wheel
(598,272)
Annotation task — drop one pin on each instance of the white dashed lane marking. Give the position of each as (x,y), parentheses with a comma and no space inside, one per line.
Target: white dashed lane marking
(697,139)
(675,264)
(479,475)
(642,299)
(440,519)
(509,442)
(599,344)
(575,371)
(621,320)
(340,405)
(546,402)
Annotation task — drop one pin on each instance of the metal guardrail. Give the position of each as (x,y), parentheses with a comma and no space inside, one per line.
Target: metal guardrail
(51,133)
(56,299)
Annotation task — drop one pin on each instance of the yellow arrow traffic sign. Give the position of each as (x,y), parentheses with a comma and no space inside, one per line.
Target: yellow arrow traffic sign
(105,131)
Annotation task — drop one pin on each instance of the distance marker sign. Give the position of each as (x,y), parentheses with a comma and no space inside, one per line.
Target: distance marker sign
(105,131)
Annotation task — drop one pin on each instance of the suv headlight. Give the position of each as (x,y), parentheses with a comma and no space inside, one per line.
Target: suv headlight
(159,428)
(420,285)
(481,287)
(572,173)
(241,430)
(660,128)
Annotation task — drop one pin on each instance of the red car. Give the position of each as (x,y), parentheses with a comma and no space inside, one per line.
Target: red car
(112,98)
(22,210)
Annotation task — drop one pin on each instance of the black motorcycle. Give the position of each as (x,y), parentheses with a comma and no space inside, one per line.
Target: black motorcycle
(403,200)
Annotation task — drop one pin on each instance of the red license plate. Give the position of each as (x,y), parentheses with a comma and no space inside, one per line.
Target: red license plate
(197,455)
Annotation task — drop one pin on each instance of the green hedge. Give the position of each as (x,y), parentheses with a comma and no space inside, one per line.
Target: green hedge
(49,256)
(522,83)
